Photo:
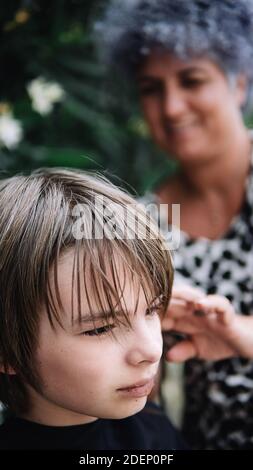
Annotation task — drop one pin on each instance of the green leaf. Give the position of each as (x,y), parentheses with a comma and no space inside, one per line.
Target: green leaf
(69,157)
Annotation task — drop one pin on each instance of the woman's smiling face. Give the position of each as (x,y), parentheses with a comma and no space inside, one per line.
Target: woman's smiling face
(190,106)
(83,367)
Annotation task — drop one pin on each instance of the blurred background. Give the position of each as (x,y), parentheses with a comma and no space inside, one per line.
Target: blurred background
(59,107)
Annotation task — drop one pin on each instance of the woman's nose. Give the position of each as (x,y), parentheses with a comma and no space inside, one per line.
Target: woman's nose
(174,103)
(145,347)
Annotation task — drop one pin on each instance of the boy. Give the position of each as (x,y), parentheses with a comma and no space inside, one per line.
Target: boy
(84,280)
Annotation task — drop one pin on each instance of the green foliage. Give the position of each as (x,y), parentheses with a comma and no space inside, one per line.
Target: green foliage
(90,127)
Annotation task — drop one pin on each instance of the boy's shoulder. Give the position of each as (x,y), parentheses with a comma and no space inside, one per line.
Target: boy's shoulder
(150,429)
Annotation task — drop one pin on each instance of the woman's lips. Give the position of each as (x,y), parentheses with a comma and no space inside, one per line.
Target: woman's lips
(136,391)
(180,129)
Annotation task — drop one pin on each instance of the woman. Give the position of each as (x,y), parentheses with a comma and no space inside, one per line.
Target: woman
(192,62)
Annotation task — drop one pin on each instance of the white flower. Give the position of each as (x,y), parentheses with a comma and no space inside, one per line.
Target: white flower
(44,94)
(11,131)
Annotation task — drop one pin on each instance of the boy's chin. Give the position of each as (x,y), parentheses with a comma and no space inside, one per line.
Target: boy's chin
(129,409)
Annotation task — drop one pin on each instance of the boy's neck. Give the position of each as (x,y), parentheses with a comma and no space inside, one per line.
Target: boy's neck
(44,412)
(60,420)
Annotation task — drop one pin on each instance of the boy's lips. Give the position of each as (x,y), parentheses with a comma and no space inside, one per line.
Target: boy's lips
(139,389)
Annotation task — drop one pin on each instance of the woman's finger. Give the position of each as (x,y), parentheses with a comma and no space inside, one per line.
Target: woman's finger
(219,305)
(167,324)
(186,293)
(189,326)
(179,308)
(181,352)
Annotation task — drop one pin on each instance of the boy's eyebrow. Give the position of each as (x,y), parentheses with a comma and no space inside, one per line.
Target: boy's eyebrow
(88,318)
(96,316)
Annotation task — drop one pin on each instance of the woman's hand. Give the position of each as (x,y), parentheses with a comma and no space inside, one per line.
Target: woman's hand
(214,331)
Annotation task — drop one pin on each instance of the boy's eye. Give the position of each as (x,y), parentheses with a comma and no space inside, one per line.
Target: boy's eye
(153,311)
(99,331)
(157,308)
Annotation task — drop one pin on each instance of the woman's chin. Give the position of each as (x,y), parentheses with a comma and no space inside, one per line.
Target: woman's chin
(185,154)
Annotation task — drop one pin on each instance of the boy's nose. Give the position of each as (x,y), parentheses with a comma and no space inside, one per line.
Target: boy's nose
(145,349)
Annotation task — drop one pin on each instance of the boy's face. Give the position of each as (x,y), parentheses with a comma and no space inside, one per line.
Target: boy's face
(85,375)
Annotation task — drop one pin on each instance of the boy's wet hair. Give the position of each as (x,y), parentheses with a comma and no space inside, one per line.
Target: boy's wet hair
(221,30)
(36,228)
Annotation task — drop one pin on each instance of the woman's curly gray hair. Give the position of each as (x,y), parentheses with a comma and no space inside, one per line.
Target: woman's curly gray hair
(219,29)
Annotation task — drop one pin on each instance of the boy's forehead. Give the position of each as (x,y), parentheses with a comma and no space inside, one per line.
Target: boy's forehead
(127,284)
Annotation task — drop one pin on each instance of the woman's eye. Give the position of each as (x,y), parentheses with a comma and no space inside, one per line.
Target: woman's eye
(99,331)
(149,90)
(192,82)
